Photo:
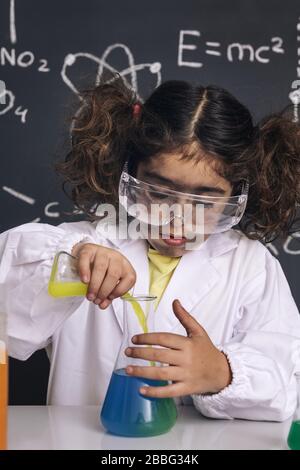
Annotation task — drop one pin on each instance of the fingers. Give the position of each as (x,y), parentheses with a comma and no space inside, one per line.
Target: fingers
(168,340)
(172,373)
(104,303)
(84,264)
(188,321)
(167,356)
(172,391)
(126,283)
(100,267)
(108,273)
(110,280)
(119,278)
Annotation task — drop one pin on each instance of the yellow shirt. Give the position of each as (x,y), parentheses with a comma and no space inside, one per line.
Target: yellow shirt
(161,268)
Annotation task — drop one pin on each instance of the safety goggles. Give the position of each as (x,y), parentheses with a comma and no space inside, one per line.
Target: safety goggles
(159,206)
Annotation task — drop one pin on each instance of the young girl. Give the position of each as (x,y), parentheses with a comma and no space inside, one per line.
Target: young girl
(231,342)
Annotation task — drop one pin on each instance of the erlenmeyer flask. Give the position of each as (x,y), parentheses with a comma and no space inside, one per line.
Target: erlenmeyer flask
(294,433)
(125,411)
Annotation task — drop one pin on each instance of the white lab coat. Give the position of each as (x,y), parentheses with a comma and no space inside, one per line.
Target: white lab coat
(232,285)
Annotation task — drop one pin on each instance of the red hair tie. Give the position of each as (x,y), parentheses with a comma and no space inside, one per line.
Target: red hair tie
(136,109)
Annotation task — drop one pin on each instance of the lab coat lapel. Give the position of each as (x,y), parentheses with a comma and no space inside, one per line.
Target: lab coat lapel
(194,277)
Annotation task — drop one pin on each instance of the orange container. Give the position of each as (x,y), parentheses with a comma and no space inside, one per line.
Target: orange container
(3,370)
(3,396)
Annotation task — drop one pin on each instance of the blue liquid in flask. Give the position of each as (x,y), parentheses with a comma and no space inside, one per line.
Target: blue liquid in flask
(126,412)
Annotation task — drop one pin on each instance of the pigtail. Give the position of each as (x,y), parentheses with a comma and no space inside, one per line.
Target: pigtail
(274,172)
(101,132)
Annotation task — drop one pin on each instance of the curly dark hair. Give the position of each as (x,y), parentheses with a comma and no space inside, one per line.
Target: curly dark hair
(184,117)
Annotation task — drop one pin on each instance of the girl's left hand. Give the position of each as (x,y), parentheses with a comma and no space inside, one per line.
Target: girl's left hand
(195,364)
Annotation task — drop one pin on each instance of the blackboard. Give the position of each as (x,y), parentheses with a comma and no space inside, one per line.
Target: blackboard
(51,49)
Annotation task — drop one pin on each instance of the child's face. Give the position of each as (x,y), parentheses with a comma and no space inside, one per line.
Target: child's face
(197,177)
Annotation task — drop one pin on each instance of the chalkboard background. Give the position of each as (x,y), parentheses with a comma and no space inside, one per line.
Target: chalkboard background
(50,49)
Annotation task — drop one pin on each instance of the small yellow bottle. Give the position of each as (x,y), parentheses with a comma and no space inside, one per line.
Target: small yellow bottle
(64,279)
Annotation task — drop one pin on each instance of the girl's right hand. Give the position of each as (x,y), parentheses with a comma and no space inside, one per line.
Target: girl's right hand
(106,271)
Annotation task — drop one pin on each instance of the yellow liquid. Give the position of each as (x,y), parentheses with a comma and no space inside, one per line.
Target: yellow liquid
(64,289)
(3,403)
(138,311)
(67,289)
(140,314)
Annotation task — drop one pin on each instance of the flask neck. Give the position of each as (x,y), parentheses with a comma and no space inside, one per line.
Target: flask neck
(136,313)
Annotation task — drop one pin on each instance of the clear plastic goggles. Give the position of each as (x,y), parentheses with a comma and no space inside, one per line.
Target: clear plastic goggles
(159,206)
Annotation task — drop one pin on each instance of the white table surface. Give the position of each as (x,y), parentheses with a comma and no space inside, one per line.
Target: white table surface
(68,427)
